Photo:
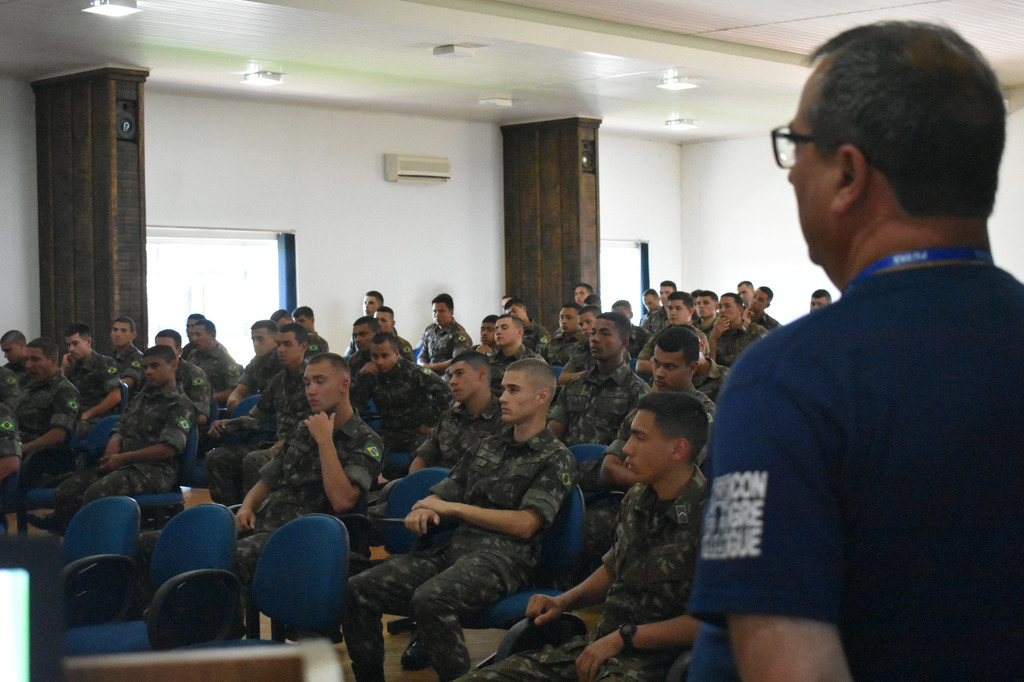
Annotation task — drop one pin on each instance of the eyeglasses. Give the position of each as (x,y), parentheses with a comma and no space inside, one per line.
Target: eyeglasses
(784,143)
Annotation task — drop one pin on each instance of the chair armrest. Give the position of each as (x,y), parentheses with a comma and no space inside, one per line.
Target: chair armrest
(195,607)
(98,589)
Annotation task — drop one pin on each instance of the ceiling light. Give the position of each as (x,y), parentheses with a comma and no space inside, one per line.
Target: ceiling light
(453,51)
(496,102)
(263,78)
(676,83)
(112,8)
(680,123)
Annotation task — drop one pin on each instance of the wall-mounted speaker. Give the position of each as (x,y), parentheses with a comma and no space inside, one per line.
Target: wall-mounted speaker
(127,120)
(588,157)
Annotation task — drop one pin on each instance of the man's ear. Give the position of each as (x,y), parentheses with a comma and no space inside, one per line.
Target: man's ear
(853,173)
(681,450)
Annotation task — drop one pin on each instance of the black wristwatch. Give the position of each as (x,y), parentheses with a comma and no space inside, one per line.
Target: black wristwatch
(626,631)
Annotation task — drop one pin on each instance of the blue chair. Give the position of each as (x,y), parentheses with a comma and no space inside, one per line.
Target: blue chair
(407,492)
(157,508)
(124,398)
(588,452)
(558,371)
(585,452)
(525,636)
(245,405)
(395,465)
(199,539)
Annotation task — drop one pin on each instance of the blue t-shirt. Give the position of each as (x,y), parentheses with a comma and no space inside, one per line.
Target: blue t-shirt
(868,466)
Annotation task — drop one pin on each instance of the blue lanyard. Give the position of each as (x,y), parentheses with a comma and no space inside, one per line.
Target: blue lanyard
(976,256)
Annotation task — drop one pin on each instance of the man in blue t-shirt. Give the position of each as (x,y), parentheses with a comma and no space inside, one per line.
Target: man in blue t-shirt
(876,530)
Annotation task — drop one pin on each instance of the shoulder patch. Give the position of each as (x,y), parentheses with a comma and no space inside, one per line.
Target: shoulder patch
(198,381)
(711,418)
(112,369)
(544,341)
(232,368)
(426,371)
(461,337)
(566,478)
(7,425)
(73,404)
(11,379)
(372,450)
(406,349)
(136,365)
(313,348)
(183,423)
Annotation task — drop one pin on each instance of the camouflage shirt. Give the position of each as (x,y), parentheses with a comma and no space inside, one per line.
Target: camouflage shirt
(560,349)
(536,337)
(284,400)
(47,404)
(95,377)
(404,349)
(500,363)
(768,322)
(580,360)
(407,397)
(638,338)
(295,477)
(534,475)
(648,350)
(9,388)
(593,406)
(625,429)
(732,342)
(192,381)
(10,443)
(458,434)
(129,366)
(357,361)
(655,321)
(711,383)
(706,328)
(260,370)
(221,369)
(317,344)
(156,418)
(441,344)
(20,371)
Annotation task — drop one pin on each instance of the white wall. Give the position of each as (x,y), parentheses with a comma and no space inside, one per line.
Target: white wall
(19,217)
(318,172)
(1006,228)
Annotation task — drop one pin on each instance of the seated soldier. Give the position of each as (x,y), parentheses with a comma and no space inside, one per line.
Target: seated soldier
(190,327)
(651,303)
(126,355)
(234,468)
(263,366)
(593,300)
(535,336)
(10,444)
(732,334)
(410,399)
(372,302)
(445,338)
(569,337)
(94,375)
(581,360)
(9,388)
(745,290)
(756,309)
(679,310)
(281,317)
(487,343)
(638,337)
(580,293)
(212,357)
(707,310)
(189,378)
(658,319)
(304,316)
(141,455)
(820,298)
(385,317)
(363,331)
(13,345)
(645,579)
(505,495)
(508,336)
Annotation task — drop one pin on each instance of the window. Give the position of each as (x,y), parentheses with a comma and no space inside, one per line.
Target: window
(624,274)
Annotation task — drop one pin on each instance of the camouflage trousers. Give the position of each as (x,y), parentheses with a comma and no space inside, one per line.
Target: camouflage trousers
(434,590)
(232,471)
(87,484)
(558,663)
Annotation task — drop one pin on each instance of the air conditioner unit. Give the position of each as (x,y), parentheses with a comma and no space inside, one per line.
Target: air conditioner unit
(401,168)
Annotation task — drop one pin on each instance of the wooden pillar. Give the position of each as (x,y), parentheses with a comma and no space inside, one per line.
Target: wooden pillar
(92,205)
(552,223)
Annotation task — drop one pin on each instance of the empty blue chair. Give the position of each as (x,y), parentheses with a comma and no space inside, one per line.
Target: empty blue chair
(109,525)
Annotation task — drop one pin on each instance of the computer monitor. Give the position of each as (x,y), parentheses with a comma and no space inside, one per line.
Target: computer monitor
(31,609)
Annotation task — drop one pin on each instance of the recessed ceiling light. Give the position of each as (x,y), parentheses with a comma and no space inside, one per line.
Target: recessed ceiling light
(497,102)
(676,83)
(680,123)
(453,51)
(263,78)
(113,8)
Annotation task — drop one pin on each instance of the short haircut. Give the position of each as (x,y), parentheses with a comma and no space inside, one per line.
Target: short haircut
(593,299)
(683,296)
(124,319)
(768,292)
(925,109)
(622,303)
(490,319)
(515,320)
(650,292)
(709,294)
(539,373)
(195,316)
(170,334)
(336,361)
(279,314)
(13,336)
(678,415)
(375,294)
(745,282)
(474,359)
(385,309)
(735,297)
(303,311)
(444,298)
(680,338)
(515,301)
(572,304)
(822,293)
(79,328)
(301,335)
(369,321)
(269,325)
(48,346)
(208,325)
(383,337)
(592,309)
(584,285)
(623,327)
(668,283)
(160,351)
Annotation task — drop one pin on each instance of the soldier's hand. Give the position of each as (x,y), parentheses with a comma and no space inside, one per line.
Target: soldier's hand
(217,427)
(720,327)
(110,461)
(418,520)
(245,519)
(368,368)
(321,426)
(594,656)
(67,361)
(543,608)
(484,348)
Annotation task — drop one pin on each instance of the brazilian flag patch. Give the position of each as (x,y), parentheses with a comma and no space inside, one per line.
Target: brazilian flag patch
(111,370)
(372,450)
(566,479)
(7,425)
(136,365)
(12,380)
(183,423)
(73,404)
(461,337)
(544,341)
(232,368)
(711,418)
(314,348)
(198,381)
(406,349)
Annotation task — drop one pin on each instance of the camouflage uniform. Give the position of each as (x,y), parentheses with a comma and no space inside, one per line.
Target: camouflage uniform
(95,377)
(459,433)
(441,344)
(47,404)
(407,397)
(652,564)
(404,349)
(317,345)
(656,321)
(638,338)
(221,369)
(151,418)
(592,406)
(9,389)
(296,483)
(129,366)
(711,383)
(500,363)
(732,342)
(706,328)
(768,322)
(358,360)
(232,470)
(475,567)
(648,350)
(20,371)
(193,383)
(260,370)
(580,360)
(536,337)
(560,349)
(10,444)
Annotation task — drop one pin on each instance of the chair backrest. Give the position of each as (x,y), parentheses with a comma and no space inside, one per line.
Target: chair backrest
(199,537)
(96,441)
(558,371)
(109,525)
(301,573)
(407,492)
(187,472)
(563,541)
(585,452)
(245,405)
(124,398)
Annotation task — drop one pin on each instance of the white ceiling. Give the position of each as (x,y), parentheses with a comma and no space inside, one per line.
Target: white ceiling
(552,58)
